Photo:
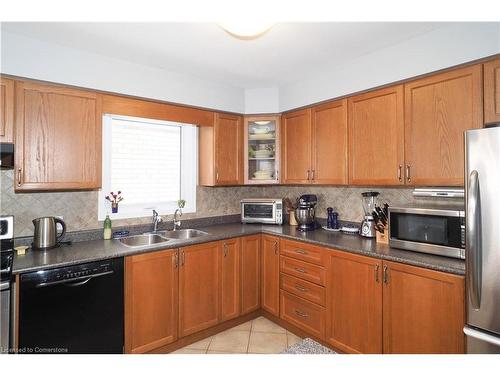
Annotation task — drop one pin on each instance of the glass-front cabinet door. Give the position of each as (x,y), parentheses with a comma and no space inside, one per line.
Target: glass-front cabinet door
(262,152)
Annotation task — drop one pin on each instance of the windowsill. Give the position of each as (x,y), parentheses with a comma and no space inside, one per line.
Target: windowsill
(138,215)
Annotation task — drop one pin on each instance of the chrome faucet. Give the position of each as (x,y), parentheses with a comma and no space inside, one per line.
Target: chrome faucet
(156,219)
(177,222)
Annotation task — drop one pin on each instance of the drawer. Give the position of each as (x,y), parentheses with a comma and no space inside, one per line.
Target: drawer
(304,289)
(303,314)
(302,270)
(303,251)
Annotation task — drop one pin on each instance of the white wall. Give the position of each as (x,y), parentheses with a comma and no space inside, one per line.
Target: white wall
(438,49)
(31,58)
(262,100)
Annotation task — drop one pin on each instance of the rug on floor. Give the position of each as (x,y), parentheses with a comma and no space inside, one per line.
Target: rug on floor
(308,346)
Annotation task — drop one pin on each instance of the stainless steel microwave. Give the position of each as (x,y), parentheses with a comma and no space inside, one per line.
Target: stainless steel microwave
(262,210)
(431,229)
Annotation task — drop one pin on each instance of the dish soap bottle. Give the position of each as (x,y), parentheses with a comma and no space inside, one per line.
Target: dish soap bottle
(107,228)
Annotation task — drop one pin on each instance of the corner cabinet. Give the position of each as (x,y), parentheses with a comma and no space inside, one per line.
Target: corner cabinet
(7,110)
(58,138)
(491,71)
(221,151)
(261,150)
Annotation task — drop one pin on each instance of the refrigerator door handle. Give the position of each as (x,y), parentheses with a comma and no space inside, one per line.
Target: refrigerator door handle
(482,336)
(473,241)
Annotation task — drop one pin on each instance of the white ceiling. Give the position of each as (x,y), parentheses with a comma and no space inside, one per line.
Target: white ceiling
(288,53)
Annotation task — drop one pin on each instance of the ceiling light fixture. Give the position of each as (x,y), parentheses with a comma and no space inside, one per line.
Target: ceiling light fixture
(246,30)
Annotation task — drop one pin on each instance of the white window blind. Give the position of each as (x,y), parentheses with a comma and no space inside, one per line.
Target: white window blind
(153,164)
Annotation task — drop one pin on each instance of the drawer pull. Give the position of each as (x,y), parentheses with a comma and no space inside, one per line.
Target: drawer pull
(301,288)
(301,270)
(301,314)
(300,251)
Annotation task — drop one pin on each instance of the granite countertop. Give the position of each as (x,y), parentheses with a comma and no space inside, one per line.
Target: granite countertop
(87,251)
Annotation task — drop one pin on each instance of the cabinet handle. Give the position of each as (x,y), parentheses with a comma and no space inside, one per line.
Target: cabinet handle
(313,174)
(277,175)
(301,270)
(183,261)
(300,251)
(176,259)
(276,248)
(217,176)
(376,273)
(225,249)
(408,168)
(301,288)
(386,275)
(301,314)
(308,175)
(399,172)
(19,170)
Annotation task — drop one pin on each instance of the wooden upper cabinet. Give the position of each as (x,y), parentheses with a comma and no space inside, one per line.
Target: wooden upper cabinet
(270,274)
(424,311)
(250,273)
(198,287)
(230,278)
(354,303)
(221,151)
(58,138)
(329,143)
(376,137)
(296,147)
(438,110)
(6,110)
(491,71)
(151,300)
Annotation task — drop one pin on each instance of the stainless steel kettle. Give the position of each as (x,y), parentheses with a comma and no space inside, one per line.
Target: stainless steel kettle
(46,236)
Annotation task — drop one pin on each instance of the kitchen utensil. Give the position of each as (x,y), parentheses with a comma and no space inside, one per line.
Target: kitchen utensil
(381,215)
(45,233)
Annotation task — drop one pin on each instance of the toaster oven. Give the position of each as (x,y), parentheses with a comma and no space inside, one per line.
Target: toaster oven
(262,210)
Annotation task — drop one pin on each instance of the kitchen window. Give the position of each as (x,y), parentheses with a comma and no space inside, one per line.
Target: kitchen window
(153,163)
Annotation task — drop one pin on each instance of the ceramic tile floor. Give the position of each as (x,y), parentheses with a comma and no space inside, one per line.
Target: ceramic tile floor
(258,336)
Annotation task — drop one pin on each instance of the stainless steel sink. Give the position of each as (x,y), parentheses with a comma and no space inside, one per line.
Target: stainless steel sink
(143,240)
(182,234)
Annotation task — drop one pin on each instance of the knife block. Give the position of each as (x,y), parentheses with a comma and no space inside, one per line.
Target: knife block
(383,238)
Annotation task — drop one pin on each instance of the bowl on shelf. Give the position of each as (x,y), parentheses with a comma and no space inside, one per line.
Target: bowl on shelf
(263,175)
(261,130)
(261,136)
(260,154)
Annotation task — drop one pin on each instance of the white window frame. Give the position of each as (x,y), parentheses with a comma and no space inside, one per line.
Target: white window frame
(188,179)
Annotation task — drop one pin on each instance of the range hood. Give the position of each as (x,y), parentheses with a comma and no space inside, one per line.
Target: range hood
(7,155)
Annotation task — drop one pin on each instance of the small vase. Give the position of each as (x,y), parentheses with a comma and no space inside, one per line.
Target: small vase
(114,208)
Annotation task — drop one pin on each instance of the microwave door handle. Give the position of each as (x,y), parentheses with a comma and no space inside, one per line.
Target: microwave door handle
(473,241)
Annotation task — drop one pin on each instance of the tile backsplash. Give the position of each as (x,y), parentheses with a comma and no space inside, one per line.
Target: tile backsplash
(79,209)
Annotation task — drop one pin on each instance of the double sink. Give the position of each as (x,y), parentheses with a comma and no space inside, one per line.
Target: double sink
(152,239)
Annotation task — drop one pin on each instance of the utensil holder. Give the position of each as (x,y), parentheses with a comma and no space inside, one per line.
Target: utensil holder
(383,238)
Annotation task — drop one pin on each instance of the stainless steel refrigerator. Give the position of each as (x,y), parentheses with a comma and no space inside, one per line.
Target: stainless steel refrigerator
(482,168)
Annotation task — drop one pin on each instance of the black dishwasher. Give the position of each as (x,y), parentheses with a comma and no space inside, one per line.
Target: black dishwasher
(74,309)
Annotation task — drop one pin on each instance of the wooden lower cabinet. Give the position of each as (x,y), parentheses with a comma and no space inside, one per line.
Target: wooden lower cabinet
(354,303)
(423,310)
(250,273)
(270,274)
(198,287)
(303,314)
(230,278)
(151,300)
